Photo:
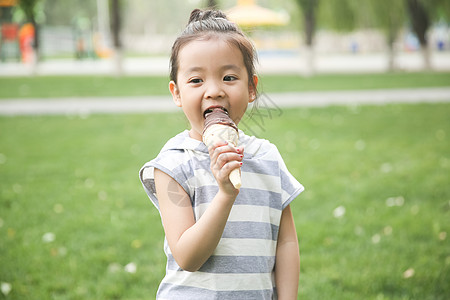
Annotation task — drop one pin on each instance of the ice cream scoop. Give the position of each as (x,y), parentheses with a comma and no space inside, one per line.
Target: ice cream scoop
(220,127)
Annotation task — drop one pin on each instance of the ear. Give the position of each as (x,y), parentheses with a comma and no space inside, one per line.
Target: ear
(175,93)
(252,89)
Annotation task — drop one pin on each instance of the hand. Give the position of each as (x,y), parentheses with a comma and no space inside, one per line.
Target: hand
(224,158)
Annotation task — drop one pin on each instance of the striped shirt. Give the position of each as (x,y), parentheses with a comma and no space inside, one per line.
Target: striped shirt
(242,265)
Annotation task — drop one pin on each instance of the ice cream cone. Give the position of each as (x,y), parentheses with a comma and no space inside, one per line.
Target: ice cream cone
(221,132)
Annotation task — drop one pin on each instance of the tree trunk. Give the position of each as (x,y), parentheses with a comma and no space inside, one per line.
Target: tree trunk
(426,55)
(116,26)
(309,8)
(391,48)
(310,24)
(420,24)
(310,63)
(391,59)
(36,47)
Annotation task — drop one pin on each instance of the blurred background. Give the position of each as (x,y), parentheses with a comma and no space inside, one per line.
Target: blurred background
(135,36)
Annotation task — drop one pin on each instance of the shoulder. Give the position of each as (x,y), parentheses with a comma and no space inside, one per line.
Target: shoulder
(176,153)
(257,147)
(176,160)
(261,156)
(180,142)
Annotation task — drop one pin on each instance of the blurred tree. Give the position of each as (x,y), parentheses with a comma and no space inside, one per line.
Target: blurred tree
(339,15)
(116,23)
(420,22)
(63,15)
(440,10)
(346,15)
(309,11)
(421,15)
(390,18)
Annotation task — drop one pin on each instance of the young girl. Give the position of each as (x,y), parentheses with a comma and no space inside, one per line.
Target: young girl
(221,242)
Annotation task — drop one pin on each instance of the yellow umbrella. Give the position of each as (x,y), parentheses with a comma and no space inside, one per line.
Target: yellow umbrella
(248,14)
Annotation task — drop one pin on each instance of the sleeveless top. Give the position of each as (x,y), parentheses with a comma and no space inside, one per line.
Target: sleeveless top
(242,265)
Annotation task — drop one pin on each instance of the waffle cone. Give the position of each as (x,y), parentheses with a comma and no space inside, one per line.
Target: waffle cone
(220,132)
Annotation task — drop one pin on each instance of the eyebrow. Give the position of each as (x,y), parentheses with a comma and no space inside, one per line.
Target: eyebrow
(230,67)
(193,69)
(223,68)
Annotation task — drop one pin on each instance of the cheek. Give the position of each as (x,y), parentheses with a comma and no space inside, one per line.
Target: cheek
(194,112)
(240,109)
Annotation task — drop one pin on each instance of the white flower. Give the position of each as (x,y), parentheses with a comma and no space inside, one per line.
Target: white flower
(131,268)
(408,273)
(376,238)
(339,212)
(48,237)
(395,201)
(6,288)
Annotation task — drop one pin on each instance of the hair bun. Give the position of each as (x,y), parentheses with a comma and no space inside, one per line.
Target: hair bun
(201,15)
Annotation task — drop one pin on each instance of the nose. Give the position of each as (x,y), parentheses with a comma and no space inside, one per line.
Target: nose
(214,90)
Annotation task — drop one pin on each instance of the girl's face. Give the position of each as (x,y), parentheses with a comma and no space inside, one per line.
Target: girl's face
(211,73)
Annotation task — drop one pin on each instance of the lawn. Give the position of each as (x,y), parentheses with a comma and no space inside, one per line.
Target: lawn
(107,86)
(373,222)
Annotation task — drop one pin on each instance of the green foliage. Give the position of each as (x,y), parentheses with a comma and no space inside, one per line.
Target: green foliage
(73,213)
(308,5)
(309,9)
(28,6)
(439,10)
(341,15)
(58,14)
(347,15)
(390,16)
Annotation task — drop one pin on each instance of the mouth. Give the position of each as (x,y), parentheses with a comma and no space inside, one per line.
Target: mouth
(212,108)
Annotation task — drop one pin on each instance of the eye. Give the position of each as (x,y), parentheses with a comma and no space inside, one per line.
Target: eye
(229,78)
(195,80)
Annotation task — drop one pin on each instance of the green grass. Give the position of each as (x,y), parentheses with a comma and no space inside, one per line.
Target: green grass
(388,166)
(102,86)
(82,86)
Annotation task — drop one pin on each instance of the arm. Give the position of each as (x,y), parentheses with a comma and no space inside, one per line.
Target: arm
(287,266)
(191,242)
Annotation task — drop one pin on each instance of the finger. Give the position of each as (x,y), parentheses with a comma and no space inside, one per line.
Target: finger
(216,145)
(223,158)
(240,149)
(228,167)
(226,157)
(228,148)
